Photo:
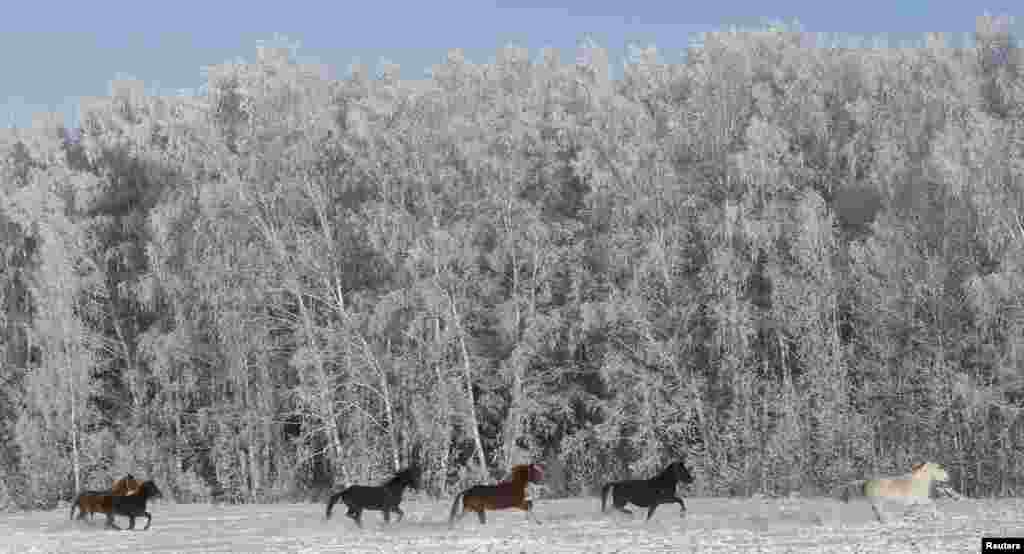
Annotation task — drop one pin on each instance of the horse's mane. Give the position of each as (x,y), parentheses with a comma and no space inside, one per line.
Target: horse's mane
(405,474)
(523,472)
(666,474)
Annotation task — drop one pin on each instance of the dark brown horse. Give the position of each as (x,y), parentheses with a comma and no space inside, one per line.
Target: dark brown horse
(384,498)
(133,506)
(648,493)
(91,502)
(504,495)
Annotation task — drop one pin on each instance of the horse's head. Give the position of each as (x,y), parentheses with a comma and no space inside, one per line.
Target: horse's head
(150,490)
(681,474)
(126,487)
(535,473)
(412,476)
(930,470)
(675,472)
(528,473)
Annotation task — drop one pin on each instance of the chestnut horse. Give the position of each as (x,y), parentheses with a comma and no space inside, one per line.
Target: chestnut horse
(501,496)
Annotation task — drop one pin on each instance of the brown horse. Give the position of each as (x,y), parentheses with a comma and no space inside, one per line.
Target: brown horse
(504,495)
(92,502)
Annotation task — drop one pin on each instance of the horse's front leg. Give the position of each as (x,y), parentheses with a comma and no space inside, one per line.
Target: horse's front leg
(650,511)
(878,512)
(131,523)
(110,522)
(149,520)
(682,506)
(387,515)
(353,514)
(401,514)
(480,515)
(530,514)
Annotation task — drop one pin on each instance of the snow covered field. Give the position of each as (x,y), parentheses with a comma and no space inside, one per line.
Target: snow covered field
(570,525)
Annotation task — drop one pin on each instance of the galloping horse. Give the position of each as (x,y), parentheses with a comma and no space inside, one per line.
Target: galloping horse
(132,506)
(385,498)
(910,490)
(501,496)
(648,493)
(90,502)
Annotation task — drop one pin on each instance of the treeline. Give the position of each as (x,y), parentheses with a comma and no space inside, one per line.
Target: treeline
(792,265)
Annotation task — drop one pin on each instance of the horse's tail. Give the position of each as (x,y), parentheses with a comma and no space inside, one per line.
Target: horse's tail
(455,508)
(604,495)
(331,502)
(850,490)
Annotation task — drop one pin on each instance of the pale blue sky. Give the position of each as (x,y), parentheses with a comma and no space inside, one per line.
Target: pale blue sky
(51,53)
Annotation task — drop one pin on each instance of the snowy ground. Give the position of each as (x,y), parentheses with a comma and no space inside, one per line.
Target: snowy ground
(571,525)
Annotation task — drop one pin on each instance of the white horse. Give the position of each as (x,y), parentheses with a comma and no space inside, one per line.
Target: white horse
(908,490)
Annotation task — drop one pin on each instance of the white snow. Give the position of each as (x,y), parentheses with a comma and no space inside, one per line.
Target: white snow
(570,525)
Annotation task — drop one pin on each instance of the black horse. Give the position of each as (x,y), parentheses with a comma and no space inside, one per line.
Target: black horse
(649,493)
(384,498)
(132,506)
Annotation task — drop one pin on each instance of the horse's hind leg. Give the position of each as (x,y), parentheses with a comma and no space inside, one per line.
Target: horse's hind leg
(387,516)
(401,514)
(480,515)
(355,513)
(131,523)
(878,512)
(650,511)
(110,522)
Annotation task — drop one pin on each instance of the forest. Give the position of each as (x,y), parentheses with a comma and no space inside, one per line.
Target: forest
(789,265)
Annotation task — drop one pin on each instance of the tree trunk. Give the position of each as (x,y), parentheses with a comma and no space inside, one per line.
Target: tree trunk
(467,373)
(255,460)
(445,413)
(75,462)
(325,405)
(320,204)
(444,448)
(328,414)
(513,426)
